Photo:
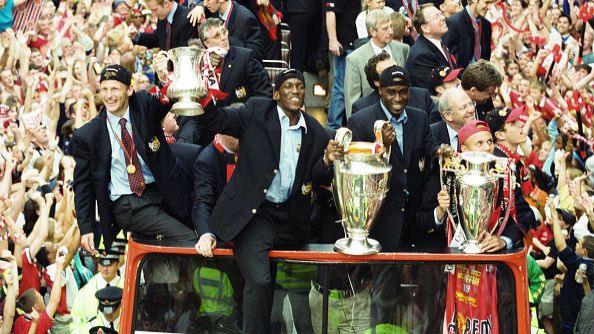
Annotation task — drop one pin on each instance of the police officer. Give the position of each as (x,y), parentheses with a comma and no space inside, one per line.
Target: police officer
(110,305)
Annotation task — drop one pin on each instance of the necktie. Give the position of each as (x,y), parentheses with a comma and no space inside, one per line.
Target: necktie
(168,37)
(398,130)
(112,326)
(230,165)
(477,38)
(136,178)
(448,55)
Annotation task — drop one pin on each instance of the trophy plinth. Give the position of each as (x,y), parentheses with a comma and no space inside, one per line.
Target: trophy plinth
(357,244)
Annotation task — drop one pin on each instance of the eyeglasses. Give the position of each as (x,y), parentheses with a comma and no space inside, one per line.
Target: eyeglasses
(221,33)
(468,106)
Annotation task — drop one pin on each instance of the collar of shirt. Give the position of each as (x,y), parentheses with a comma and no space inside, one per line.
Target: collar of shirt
(401,118)
(470,13)
(437,43)
(377,50)
(225,15)
(171,13)
(114,121)
(102,283)
(282,117)
(452,134)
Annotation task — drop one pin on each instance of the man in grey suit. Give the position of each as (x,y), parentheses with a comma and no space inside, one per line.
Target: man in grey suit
(379,26)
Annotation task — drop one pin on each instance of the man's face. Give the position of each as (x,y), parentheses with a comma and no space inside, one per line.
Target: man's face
(435,25)
(563,25)
(450,7)
(555,13)
(290,95)
(479,142)
(461,109)
(213,6)
(482,96)
(40,135)
(382,33)
(395,98)
(544,151)
(513,132)
(115,95)
(482,7)
(217,37)
(108,272)
(375,4)
(160,11)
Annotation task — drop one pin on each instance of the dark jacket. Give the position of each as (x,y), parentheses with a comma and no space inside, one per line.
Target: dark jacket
(460,38)
(257,126)
(181,31)
(396,218)
(92,153)
(423,57)
(419,99)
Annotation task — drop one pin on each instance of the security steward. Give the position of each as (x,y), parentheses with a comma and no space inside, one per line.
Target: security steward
(110,305)
(125,168)
(267,202)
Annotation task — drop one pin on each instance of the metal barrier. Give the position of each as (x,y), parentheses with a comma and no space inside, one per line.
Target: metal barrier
(427,265)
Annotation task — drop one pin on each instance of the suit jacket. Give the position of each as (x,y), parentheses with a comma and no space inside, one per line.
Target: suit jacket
(439,133)
(242,76)
(460,38)
(423,57)
(244,29)
(257,126)
(209,180)
(419,99)
(92,153)
(355,80)
(396,219)
(181,31)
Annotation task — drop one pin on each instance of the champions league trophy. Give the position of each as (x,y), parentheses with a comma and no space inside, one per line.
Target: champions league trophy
(476,191)
(360,186)
(187,87)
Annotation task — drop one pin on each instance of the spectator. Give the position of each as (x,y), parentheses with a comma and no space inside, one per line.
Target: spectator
(368,6)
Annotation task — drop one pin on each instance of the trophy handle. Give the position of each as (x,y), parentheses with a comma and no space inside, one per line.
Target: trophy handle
(442,185)
(509,178)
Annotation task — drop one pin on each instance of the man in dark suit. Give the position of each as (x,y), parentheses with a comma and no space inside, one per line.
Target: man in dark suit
(124,165)
(239,73)
(468,27)
(481,82)
(244,29)
(428,52)
(267,202)
(173,28)
(419,97)
(411,148)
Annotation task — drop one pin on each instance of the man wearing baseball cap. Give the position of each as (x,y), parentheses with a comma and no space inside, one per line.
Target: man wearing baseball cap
(409,139)
(124,165)
(283,153)
(442,78)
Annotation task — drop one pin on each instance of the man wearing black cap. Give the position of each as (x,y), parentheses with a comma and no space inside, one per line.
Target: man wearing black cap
(267,202)
(108,317)
(411,149)
(125,166)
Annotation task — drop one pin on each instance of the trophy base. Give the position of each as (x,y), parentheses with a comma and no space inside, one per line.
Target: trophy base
(187,108)
(359,246)
(471,247)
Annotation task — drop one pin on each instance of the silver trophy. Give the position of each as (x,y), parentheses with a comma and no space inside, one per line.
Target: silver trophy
(477,177)
(360,186)
(187,87)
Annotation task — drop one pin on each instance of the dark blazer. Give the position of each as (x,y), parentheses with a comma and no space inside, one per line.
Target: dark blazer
(244,29)
(439,133)
(209,180)
(242,77)
(419,99)
(92,153)
(423,57)
(257,126)
(181,31)
(396,218)
(460,38)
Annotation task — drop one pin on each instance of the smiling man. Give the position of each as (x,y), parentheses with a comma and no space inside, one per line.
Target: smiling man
(125,168)
(283,153)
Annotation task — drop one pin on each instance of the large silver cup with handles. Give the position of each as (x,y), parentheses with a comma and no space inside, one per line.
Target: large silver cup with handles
(187,87)
(359,187)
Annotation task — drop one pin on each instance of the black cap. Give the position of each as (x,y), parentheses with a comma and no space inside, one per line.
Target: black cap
(116,72)
(107,257)
(109,295)
(286,75)
(106,330)
(394,75)
(119,245)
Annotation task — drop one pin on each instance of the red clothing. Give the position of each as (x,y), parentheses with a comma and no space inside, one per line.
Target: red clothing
(31,274)
(516,100)
(22,324)
(547,108)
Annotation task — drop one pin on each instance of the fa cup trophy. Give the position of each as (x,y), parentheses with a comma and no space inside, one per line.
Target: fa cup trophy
(187,87)
(476,189)
(360,185)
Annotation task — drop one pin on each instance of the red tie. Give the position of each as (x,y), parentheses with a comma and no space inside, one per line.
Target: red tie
(477,38)
(448,55)
(136,179)
(168,37)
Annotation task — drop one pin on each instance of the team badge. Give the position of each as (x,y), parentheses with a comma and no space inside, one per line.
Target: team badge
(154,144)
(240,92)
(306,188)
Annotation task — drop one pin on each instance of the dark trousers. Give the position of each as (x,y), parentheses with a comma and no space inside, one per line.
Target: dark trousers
(145,217)
(304,41)
(268,228)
